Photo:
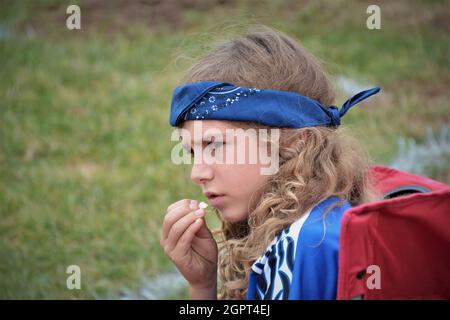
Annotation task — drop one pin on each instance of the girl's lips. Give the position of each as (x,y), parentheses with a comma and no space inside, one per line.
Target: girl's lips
(216,201)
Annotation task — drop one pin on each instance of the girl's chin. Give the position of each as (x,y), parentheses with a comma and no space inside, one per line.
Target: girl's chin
(230,216)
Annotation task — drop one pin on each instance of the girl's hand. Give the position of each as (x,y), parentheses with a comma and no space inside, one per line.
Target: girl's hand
(189,244)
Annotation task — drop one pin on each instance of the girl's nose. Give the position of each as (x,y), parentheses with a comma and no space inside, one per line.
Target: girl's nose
(201,173)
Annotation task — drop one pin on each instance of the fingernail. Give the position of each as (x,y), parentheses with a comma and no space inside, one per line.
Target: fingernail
(193,204)
(199,212)
(203,205)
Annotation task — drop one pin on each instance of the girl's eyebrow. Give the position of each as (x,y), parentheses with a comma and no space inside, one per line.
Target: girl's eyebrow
(213,138)
(208,138)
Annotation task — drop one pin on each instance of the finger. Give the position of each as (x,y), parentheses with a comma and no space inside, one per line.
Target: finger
(184,244)
(178,203)
(174,215)
(193,204)
(179,227)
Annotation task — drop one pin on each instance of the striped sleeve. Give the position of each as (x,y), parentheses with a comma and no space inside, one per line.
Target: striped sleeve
(302,261)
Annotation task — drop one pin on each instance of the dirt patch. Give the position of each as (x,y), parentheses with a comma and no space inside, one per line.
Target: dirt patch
(110,16)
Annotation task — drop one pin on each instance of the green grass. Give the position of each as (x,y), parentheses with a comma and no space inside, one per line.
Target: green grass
(85,170)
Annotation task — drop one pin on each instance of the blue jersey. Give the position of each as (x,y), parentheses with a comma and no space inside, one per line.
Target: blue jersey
(302,261)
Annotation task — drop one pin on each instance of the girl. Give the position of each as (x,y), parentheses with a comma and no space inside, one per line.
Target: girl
(280,233)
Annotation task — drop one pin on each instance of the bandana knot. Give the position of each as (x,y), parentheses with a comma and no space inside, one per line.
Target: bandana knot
(335,116)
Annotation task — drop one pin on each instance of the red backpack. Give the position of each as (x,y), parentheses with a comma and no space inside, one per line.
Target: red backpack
(398,248)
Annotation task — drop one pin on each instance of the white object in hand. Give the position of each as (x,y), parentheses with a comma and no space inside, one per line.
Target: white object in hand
(202,205)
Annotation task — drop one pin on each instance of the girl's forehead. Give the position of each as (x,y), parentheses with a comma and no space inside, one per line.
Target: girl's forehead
(208,124)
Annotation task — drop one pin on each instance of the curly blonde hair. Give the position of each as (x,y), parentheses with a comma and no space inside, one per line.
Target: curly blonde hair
(315,162)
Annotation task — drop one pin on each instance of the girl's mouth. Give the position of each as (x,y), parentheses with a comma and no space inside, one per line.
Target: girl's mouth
(214,198)
(216,201)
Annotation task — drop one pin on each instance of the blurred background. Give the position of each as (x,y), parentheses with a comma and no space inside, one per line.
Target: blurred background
(85,169)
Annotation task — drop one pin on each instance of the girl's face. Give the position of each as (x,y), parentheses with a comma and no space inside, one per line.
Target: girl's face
(239,184)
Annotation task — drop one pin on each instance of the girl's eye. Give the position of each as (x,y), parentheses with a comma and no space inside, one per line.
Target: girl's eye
(216,144)
(189,150)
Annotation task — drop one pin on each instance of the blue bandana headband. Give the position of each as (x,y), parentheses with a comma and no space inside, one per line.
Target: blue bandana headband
(212,100)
